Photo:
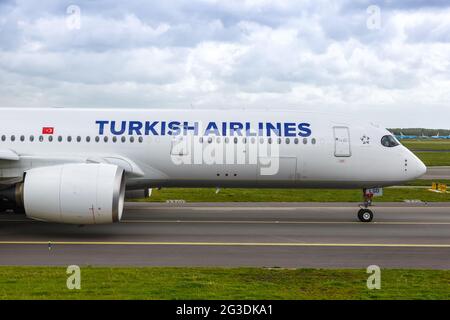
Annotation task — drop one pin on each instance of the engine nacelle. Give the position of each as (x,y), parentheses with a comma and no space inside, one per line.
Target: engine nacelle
(75,193)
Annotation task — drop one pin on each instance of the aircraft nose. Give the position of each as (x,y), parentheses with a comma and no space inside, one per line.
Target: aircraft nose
(418,168)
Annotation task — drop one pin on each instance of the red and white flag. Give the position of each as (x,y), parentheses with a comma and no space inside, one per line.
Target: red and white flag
(48,130)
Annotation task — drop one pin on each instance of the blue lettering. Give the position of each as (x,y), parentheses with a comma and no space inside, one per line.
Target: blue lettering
(305,131)
(186,128)
(224,129)
(260,129)
(135,126)
(150,127)
(101,124)
(174,128)
(163,128)
(123,127)
(271,128)
(289,129)
(236,127)
(212,128)
(248,130)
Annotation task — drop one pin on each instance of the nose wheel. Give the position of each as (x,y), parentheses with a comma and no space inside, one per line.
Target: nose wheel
(365,215)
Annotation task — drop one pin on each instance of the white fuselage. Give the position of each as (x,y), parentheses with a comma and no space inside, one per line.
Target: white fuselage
(219,148)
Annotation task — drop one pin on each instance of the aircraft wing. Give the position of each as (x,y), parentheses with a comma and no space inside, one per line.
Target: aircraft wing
(128,165)
(8,154)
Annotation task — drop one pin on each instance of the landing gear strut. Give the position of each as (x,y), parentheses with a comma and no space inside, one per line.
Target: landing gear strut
(365,214)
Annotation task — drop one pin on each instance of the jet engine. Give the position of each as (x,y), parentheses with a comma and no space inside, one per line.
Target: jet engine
(72,193)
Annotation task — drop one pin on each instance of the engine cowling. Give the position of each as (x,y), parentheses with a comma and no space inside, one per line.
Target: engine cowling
(75,193)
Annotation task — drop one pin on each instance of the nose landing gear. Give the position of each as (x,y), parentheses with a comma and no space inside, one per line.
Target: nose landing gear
(365,214)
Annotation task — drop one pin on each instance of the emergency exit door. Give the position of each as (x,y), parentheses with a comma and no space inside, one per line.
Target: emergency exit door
(341,142)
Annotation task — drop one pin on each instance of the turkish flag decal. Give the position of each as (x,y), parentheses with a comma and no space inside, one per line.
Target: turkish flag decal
(48,130)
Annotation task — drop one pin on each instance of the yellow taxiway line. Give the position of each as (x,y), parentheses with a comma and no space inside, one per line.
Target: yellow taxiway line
(250,244)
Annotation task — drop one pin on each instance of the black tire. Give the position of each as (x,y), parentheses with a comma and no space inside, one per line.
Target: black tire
(365,215)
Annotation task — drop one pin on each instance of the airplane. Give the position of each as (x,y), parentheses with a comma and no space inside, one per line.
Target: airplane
(422,136)
(437,136)
(401,136)
(74,165)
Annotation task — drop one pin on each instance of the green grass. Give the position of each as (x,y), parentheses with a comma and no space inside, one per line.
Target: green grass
(432,159)
(425,183)
(290,195)
(427,144)
(221,283)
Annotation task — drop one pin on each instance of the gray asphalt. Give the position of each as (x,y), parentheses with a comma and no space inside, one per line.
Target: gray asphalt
(437,173)
(244,234)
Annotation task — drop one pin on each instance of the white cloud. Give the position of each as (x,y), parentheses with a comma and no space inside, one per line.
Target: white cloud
(255,54)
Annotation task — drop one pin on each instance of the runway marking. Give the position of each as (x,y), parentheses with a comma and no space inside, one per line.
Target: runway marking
(218,208)
(285,222)
(263,222)
(268,208)
(226,244)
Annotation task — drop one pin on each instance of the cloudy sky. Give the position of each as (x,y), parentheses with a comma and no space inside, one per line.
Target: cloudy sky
(386,60)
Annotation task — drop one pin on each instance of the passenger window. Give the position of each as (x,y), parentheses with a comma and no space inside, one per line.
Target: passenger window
(78,139)
(105,139)
(22,138)
(50,138)
(296,140)
(69,138)
(97,138)
(88,139)
(123,139)
(41,138)
(389,141)
(60,138)
(313,140)
(141,139)
(131,139)
(13,138)
(3,138)
(31,138)
(305,141)
(114,139)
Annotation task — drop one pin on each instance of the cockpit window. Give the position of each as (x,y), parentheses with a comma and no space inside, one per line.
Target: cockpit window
(389,141)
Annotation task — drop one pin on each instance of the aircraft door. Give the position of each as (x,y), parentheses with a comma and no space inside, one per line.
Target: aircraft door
(342,142)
